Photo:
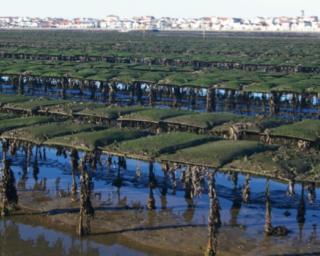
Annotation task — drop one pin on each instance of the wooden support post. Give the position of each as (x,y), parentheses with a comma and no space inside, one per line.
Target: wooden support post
(86,209)
(214,221)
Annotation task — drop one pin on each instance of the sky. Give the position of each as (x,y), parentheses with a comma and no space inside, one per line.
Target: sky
(158,8)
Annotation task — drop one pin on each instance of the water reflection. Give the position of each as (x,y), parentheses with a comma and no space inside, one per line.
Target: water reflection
(18,238)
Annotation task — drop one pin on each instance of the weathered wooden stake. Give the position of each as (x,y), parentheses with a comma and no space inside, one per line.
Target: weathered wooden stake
(86,209)
(214,221)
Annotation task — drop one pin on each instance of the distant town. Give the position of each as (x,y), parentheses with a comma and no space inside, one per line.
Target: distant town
(300,23)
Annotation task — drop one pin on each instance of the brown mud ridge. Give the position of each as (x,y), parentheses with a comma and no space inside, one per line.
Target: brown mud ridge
(156,232)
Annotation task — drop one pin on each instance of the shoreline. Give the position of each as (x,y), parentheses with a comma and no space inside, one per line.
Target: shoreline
(190,32)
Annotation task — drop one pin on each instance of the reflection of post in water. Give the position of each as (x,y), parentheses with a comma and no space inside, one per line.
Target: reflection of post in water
(117,182)
(234,178)
(96,159)
(314,235)
(23,180)
(35,172)
(312,192)
(29,154)
(214,221)
(268,224)
(291,191)
(123,163)
(236,206)
(74,168)
(164,187)
(152,185)
(44,154)
(86,209)
(109,162)
(43,184)
(301,212)
(57,184)
(40,154)
(246,190)
(9,191)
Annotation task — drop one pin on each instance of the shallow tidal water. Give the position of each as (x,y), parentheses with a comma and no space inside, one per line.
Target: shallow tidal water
(21,235)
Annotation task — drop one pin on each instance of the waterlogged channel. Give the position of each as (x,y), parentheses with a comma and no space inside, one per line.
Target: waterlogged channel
(241,232)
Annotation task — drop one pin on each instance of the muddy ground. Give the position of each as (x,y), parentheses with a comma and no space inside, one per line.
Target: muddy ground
(156,232)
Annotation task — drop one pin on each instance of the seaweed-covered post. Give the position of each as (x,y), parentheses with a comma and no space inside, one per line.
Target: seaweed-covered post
(264,103)
(246,190)
(5,148)
(112,92)
(30,84)
(138,92)
(268,224)
(152,95)
(196,179)
(45,83)
(104,91)
(193,97)
(274,103)
(14,80)
(75,164)
(214,221)
(230,101)
(187,180)
(210,106)
(64,85)
(9,191)
(21,84)
(93,89)
(294,103)
(86,209)
(173,178)
(152,185)
(129,88)
(177,96)
(81,87)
